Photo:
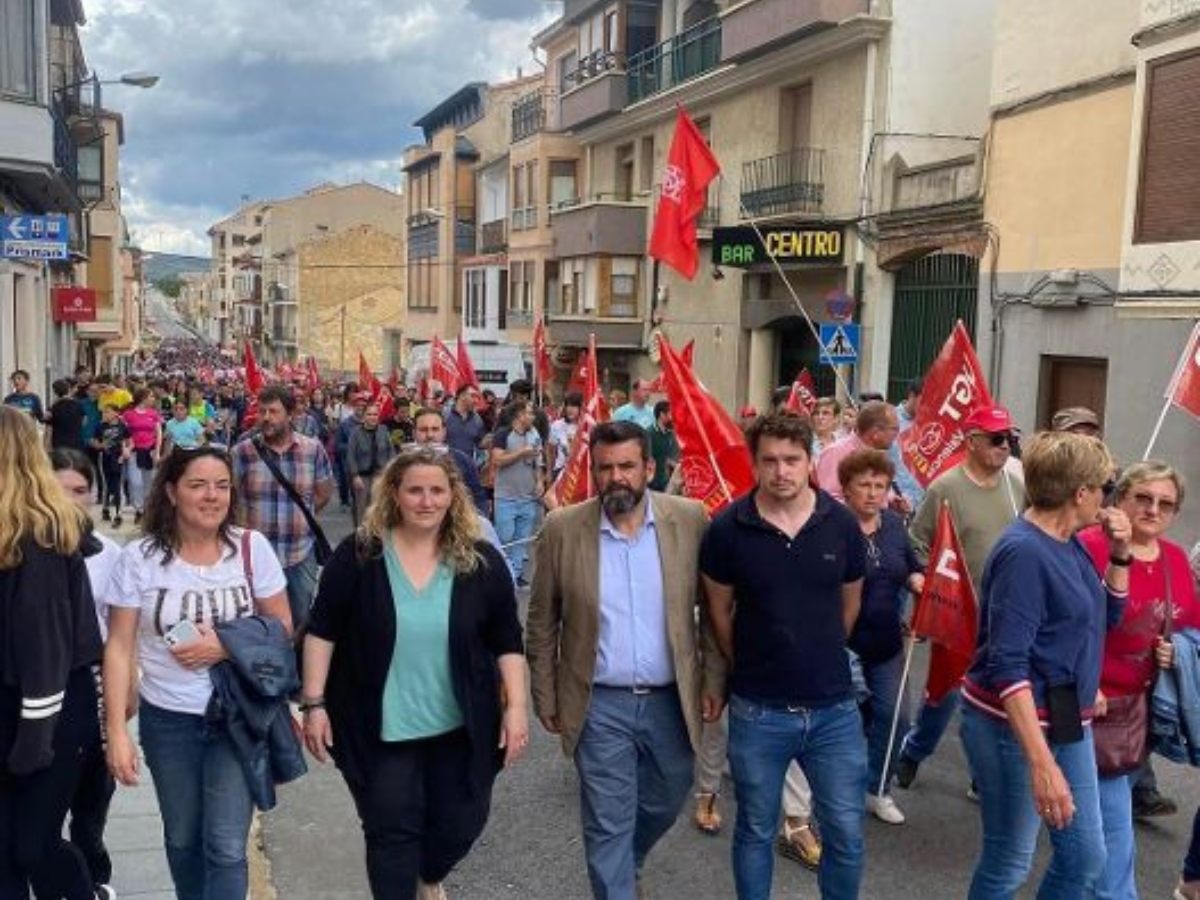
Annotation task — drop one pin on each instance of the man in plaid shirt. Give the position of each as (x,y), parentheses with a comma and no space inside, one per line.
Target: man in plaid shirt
(265,506)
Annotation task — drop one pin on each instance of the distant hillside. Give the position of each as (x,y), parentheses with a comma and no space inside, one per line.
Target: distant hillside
(168,265)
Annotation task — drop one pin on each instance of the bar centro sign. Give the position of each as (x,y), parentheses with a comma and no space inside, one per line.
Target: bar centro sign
(740,247)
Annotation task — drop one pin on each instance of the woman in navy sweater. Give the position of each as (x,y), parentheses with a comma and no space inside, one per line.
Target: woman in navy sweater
(1033,682)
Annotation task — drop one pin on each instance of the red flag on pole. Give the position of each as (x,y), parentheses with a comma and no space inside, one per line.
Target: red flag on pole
(541,355)
(803,396)
(954,387)
(947,612)
(255,381)
(712,450)
(690,167)
(1184,390)
(313,376)
(466,368)
(366,378)
(574,483)
(443,367)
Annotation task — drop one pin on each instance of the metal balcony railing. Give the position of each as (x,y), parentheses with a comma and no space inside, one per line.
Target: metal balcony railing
(787,182)
(687,55)
(592,66)
(524,218)
(66,152)
(528,116)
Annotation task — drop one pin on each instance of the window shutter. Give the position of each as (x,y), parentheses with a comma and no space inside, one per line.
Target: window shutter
(1169,187)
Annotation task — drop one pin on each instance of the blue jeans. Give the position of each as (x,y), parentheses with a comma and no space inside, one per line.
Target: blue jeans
(635,772)
(1118,881)
(932,722)
(883,681)
(1011,822)
(516,520)
(205,804)
(828,745)
(301,588)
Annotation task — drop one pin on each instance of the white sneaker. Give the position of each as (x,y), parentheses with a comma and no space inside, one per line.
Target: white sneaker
(885,809)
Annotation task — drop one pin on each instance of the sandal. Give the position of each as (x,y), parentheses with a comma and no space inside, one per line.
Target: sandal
(708,818)
(799,842)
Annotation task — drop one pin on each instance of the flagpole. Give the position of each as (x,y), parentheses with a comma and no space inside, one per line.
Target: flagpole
(1180,367)
(887,757)
(1162,416)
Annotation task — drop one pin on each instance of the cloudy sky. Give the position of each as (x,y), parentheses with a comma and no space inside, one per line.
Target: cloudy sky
(268,97)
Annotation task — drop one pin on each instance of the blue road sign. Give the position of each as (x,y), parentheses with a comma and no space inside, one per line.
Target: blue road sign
(34,237)
(839,342)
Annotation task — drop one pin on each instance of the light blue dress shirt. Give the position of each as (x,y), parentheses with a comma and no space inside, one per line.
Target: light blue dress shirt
(634,649)
(905,481)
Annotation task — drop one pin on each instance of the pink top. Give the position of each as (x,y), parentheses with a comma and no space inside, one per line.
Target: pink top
(143,426)
(829,460)
(1129,646)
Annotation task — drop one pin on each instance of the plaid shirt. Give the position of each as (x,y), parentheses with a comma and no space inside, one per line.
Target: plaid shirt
(264,505)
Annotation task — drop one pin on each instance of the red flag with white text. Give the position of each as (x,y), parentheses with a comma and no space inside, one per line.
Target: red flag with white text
(712,449)
(683,195)
(947,612)
(1184,390)
(443,367)
(466,368)
(954,387)
(574,483)
(803,396)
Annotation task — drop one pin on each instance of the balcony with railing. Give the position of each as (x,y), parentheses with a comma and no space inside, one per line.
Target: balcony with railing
(756,26)
(524,218)
(493,237)
(528,116)
(600,225)
(791,182)
(66,151)
(687,55)
(594,89)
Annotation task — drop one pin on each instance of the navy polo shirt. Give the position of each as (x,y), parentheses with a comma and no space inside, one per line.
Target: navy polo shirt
(789,642)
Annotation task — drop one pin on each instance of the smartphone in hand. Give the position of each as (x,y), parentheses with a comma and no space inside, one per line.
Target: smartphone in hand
(182,632)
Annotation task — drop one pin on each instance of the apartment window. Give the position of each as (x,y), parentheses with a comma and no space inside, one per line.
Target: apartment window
(612,31)
(795,117)
(475,296)
(574,295)
(423,284)
(563,188)
(525,196)
(623,177)
(646,165)
(18,49)
(567,64)
(520,295)
(1169,183)
(239,240)
(623,288)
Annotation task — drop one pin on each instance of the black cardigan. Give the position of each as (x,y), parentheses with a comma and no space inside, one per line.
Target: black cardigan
(354,610)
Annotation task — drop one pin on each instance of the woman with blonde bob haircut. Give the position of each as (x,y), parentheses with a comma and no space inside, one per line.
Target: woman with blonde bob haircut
(49,647)
(1035,676)
(414,641)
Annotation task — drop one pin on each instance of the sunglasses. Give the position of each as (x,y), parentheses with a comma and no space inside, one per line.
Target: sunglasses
(998,439)
(1148,501)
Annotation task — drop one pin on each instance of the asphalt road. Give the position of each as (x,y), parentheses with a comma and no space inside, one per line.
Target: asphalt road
(532,847)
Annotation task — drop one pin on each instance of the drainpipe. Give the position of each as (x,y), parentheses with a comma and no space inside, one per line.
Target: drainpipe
(854,275)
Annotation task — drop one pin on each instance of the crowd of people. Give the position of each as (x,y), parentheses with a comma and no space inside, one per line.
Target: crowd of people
(659,644)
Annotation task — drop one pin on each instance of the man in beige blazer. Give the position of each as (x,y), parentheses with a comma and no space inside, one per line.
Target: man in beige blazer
(614,640)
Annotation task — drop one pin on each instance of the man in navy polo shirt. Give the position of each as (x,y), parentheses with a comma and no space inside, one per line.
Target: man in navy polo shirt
(791,558)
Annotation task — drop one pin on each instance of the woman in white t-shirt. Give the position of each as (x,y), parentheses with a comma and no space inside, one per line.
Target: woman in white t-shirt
(168,590)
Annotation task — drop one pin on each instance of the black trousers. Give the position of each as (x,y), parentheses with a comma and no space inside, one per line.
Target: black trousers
(34,807)
(419,814)
(89,813)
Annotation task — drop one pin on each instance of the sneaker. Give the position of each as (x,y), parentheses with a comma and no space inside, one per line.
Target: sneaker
(116,522)
(1187,890)
(885,809)
(104,514)
(1149,804)
(906,771)
(105,892)
(708,817)
(800,843)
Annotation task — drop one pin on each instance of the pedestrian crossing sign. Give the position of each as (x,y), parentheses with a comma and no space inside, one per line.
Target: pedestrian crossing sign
(839,342)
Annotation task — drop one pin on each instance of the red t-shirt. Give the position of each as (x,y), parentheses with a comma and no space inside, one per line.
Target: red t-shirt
(143,426)
(1129,646)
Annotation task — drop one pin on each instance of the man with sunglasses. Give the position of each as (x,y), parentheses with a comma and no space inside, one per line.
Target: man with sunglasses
(984,498)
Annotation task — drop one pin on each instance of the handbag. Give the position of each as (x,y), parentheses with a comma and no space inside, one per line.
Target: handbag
(1121,736)
(323,550)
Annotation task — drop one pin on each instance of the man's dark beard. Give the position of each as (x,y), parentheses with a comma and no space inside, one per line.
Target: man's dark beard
(619,499)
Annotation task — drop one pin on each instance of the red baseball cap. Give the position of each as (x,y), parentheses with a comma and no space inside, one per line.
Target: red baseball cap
(988,419)
(747,412)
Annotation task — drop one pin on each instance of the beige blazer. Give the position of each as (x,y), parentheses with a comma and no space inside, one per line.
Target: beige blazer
(562,630)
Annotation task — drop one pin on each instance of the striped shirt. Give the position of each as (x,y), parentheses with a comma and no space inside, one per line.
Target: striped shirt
(263,503)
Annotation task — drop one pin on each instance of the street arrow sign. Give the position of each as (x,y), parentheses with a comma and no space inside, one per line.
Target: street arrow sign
(34,237)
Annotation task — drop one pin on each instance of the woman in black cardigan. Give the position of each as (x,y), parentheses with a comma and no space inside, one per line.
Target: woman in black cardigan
(414,678)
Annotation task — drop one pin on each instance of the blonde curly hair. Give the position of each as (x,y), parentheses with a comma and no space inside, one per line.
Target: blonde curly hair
(460,528)
(35,506)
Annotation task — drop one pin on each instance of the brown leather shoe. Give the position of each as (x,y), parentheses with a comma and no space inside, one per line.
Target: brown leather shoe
(800,843)
(708,817)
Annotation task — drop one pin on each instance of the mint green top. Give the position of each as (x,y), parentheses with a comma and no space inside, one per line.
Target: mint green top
(418,696)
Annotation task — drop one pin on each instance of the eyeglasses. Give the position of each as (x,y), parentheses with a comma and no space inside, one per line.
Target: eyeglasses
(1149,501)
(998,439)
(427,449)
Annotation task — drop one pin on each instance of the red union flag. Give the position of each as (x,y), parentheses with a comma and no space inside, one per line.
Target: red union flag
(690,167)
(713,456)
(466,368)
(946,612)
(443,367)
(255,381)
(954,387)
(541,354)
(803,396)
(312,376)
(574,483)
(1184,390)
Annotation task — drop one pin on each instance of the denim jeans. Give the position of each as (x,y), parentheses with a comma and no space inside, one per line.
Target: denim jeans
(1011,822)
(828,744)
(205,803)
(516,520)
(139,481)
(1118,882)
(301,588)
(635,772)
(932,722)
(883,682)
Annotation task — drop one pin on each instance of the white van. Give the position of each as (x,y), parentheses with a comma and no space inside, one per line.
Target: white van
(497,364)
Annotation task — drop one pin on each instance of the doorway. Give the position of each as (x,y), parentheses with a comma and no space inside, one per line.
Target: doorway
(1071,381)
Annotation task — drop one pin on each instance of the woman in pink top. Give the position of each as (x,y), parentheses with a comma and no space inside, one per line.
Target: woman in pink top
(1150,494)
(145,425)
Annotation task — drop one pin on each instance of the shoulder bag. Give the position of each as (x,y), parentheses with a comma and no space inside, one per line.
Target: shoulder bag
(321,543)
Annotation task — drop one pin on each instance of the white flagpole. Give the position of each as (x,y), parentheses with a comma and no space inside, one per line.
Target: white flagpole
(1162,416)
(1188,351)
(887,757)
